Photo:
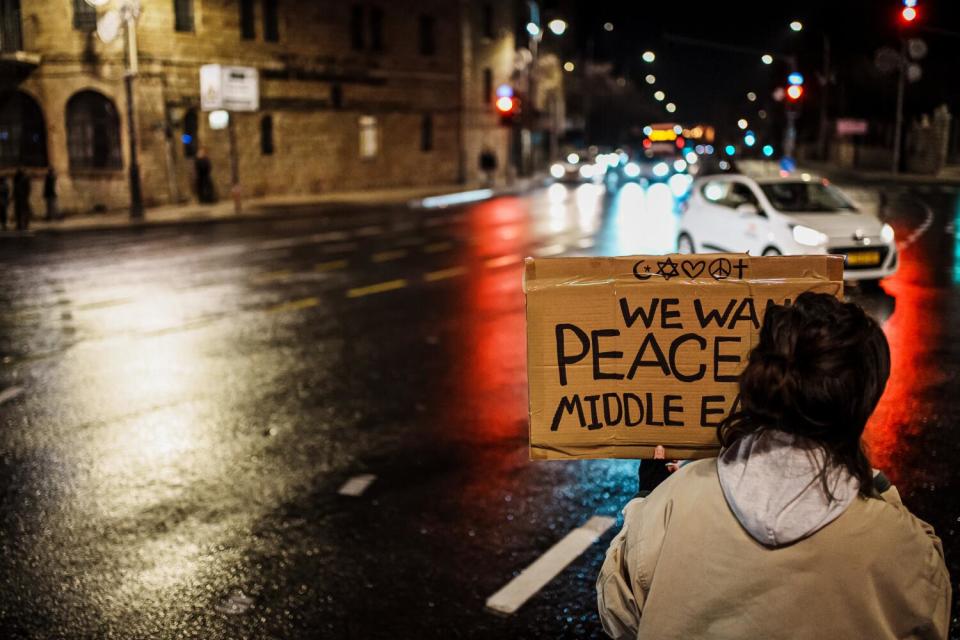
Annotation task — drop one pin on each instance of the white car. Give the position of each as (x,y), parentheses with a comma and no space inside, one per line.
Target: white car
(779,216)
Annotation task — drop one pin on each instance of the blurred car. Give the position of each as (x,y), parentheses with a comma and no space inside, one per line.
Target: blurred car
(575,167)
(785,215)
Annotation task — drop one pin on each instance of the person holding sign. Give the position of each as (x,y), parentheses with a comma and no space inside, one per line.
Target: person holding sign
(786,534)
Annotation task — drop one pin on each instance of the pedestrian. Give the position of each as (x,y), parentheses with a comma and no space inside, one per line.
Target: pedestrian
(788,533)
(488,165)
(21,199)
(4,201)
(203,170)
(50,193)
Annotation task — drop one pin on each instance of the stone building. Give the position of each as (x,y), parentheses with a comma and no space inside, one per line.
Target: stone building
(353,95)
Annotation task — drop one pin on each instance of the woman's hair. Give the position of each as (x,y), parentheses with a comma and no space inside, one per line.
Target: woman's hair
(818,371)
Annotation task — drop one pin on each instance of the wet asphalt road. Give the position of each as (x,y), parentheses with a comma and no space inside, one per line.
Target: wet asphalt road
(182,404)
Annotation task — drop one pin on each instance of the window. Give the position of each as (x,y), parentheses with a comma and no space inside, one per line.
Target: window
(266,135)
(189,138)
(487,20)
(369,137)
(812,197)
(356,27)
(271,26)
(93,132)
(729,194)
(23,134)
(336,96)
(428,45)
(183,15)
(84,16)
(426,133)
(10,35)
(248,30)
(376,29)
(488,87)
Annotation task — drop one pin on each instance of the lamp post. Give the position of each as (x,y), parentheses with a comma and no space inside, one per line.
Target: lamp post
(128,12)
(557,27)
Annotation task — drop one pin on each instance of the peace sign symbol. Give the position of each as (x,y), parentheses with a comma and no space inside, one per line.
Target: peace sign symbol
(720,269)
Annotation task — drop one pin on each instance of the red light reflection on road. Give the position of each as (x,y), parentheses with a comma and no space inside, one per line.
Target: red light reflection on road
(910,334)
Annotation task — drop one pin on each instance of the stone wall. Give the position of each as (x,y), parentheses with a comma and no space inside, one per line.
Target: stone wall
(316,141)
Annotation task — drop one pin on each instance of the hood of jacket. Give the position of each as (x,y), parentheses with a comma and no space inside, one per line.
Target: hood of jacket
(771,482)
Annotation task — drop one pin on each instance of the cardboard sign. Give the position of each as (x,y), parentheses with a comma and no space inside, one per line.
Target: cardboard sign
(624,354)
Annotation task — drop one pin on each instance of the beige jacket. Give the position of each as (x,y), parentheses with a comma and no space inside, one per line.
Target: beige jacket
(683,567)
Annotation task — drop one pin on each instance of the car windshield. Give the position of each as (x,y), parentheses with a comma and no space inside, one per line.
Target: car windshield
(805,196)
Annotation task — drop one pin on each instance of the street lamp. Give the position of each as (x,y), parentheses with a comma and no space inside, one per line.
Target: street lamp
(649,56)
(568,66)
(796,25)
(766,58)
(670,107)
(557,26)
(651,78)
(533,29)
(608,26)
(742,123)
(659,96)
(751,96)
(127,13)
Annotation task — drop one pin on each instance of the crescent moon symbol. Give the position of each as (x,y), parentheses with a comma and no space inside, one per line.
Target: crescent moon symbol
(636,273)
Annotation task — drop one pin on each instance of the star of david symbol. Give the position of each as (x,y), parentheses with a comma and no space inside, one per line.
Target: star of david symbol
(667,269)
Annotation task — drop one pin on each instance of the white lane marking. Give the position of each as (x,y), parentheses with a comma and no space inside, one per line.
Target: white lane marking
(549,250)
(10,393)
(455,198)
(545,568)
(922,229)
(356,485)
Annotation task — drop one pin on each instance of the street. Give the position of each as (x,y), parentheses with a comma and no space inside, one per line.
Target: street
(183,407)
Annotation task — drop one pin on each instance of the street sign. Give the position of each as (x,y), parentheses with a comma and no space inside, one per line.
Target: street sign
(851,127)
(230,88)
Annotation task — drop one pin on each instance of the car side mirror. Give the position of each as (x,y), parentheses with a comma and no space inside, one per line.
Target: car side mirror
(747,210)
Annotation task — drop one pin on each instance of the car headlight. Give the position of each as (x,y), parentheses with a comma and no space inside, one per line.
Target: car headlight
(631,170)
(887,233)
(679,183)
(586,171)
(557,170)
(661,169)
(809,237)
(679,165)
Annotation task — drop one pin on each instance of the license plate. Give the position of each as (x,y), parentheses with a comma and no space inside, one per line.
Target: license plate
(863,258)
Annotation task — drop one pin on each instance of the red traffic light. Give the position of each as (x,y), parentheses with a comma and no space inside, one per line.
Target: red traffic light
(504,104)
(908,14)
(794,91)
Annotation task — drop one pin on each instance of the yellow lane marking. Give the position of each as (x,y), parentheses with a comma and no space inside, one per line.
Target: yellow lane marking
(437,247)
(386,256)
(294,305)
(443,274)
(330,265)
(503,261)
(104,303)
(270,276)
(380,287)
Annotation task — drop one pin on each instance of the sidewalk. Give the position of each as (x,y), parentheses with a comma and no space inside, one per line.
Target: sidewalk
(278,206)
(950,176)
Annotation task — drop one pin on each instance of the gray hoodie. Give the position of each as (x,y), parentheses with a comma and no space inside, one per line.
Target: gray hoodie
(770,481)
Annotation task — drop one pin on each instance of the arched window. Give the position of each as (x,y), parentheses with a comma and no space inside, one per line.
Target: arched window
(93,132)
(190,133)
(23,134)
(266,135)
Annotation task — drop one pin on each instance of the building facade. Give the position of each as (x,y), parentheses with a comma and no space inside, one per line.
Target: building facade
(352,95)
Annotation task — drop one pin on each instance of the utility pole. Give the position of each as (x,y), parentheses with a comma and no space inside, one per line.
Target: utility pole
(130,11)
(824,101)
(898,126)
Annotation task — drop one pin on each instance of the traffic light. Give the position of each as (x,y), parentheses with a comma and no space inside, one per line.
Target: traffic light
(909,12)
(795,90)
(507,105)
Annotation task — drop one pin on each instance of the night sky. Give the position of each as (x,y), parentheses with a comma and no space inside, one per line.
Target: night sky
(710,85)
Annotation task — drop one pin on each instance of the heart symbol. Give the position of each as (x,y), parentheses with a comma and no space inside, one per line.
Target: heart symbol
(692,269)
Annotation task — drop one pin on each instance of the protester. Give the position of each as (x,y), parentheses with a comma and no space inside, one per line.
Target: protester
(787,534)
(21,199)
(4,201)
(203,169)
(50,193)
